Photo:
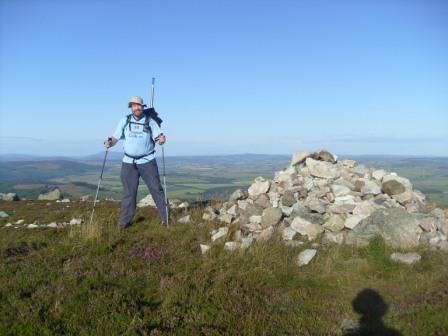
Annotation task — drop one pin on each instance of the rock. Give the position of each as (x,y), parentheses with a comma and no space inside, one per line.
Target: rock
(305,257)
(305,228)
(378,174)
(242,204)
(238,195)
(8,224)
(19,222)
(204,248)
(246,242)
(183,205)
(348,163)
(428,223)
(343,204)
(75,221)
(221,232)
(265,234)
(146,201)
(397,227)
(52,195)
(288,198)
(350,326)
(209,216)
(84,198)
(370,188)
(232,210)
(260,186)
(315,204)
(271,217)
(432,238)
(335,223)
(406,258)
(65,200)
(263,201)
(185,219)
(324,156)
(352,221)
(3,214)
(226,218)
(9,197)
(255,219)
(52,225)
(365,208)
(333,238)
(393,185)
(299,157)
(288,233)
(32,226)
(340,190)
(232,245)
(321,169)
(404,197)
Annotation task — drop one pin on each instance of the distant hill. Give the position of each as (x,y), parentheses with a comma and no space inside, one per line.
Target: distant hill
(191,177)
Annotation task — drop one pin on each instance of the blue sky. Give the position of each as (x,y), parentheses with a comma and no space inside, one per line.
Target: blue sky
(354,77)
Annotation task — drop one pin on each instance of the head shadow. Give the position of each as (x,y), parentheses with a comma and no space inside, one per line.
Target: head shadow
(372,308)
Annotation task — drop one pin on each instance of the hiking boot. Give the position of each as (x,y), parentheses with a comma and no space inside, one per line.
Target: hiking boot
(123,227)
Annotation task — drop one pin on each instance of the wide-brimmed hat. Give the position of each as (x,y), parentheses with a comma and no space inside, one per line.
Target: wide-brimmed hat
(136,100)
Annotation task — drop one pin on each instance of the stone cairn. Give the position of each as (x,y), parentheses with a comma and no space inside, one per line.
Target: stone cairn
(320,199)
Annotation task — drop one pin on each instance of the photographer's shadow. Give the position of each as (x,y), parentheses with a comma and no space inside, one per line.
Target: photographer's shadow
(371,306)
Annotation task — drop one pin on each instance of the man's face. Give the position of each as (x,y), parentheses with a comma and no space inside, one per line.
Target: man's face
(137,109)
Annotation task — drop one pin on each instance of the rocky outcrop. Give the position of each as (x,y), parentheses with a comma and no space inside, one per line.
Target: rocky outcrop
(9,197)
(51,195)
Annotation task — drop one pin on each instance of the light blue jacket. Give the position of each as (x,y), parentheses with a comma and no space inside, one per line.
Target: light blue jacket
(137,141)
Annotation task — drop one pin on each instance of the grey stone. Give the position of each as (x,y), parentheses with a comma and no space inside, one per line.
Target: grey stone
(185,219)
(406,258)
(335,223)
(305,257)
(333,238)
(340,190)
(52,195)
(321,169)
(232,245)
(204,248)
(265,234)
(306,228)
(288,198)
(75,221)
(9,197)
(221,232)
(299,157)
(146,201)
(393,185)
(238,195)
(397,227)
(271,217)
(260,186)
(324,155)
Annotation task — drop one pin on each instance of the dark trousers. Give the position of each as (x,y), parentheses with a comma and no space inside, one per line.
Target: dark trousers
(130,175)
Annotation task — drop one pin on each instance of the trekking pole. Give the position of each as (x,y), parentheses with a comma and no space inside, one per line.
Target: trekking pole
(163,161)
(99,183)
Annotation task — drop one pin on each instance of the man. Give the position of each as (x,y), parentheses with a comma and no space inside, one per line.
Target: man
(139,130)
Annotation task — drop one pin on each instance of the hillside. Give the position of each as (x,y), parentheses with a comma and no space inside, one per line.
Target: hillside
(150,280)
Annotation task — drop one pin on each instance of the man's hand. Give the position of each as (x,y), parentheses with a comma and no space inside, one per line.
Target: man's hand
(109,142)
(161,139)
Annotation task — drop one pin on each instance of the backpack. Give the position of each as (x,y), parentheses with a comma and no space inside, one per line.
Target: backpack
(148,114)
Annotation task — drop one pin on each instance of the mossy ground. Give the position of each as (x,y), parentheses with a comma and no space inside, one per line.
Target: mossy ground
(150,280)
